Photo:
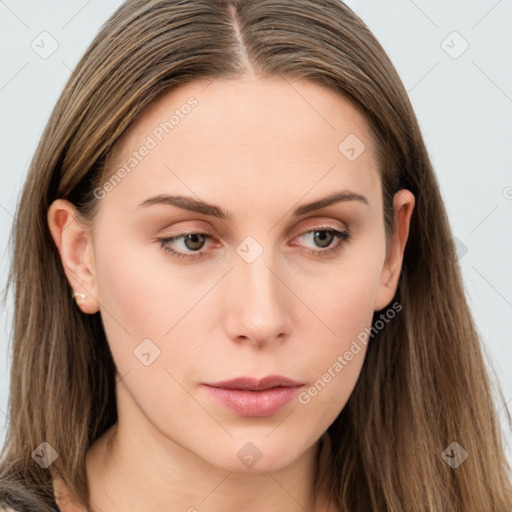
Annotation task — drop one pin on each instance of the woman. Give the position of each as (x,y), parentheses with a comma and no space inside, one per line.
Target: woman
(268,310)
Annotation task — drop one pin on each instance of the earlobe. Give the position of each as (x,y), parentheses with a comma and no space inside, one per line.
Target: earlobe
(74,244)
(403,205)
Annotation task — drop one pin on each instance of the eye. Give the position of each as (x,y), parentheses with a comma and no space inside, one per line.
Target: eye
(195,241)
(323,237)
(191,241)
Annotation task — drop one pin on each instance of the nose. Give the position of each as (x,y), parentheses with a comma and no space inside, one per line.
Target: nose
(257,305)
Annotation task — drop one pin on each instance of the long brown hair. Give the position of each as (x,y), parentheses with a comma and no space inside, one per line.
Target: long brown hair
(424,383)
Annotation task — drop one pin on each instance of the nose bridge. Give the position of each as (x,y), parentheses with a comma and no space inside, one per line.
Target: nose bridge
(258,303)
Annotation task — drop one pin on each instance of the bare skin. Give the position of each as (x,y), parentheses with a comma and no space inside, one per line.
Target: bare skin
(259,149)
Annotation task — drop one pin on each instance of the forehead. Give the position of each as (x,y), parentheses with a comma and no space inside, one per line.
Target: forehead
(220,115)
(255,133)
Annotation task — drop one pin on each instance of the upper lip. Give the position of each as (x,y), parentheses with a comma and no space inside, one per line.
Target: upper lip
(255,384)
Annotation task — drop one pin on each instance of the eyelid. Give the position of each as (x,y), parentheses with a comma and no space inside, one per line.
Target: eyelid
(202,228)
(318,225)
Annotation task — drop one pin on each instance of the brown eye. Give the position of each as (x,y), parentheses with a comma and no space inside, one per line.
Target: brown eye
(194,241)
(190,243)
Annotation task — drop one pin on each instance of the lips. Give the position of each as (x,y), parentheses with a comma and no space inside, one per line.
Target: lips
(251,397)
(254,384)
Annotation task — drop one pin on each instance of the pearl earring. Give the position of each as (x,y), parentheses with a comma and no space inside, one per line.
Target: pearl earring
(81,295)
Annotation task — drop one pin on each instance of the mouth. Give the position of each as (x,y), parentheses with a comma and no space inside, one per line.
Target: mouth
(251,397)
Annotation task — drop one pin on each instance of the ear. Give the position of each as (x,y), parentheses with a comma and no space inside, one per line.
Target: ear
(403,205)
(74,243)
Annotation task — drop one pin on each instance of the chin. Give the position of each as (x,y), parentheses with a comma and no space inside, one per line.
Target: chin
(257,456)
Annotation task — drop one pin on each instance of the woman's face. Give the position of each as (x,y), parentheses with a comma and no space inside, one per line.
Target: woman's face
(265,285)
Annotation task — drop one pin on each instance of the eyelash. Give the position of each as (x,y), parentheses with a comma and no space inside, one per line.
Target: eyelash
(343,237)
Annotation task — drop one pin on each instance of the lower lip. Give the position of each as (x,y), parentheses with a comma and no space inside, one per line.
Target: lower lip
(255,404)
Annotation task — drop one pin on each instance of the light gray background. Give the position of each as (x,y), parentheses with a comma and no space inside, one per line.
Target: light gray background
(463,100)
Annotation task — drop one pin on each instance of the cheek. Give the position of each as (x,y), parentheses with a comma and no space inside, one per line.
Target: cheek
(344,297)
(137,302)
(335,355)
(150,306)
(137,287)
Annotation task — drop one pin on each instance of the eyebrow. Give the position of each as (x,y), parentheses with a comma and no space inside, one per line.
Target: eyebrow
(195,205)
